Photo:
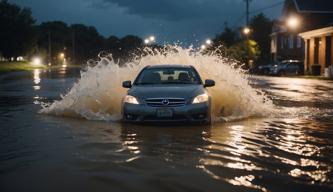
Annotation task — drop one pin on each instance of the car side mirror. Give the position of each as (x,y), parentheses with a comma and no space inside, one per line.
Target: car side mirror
(127,84)
(209,83)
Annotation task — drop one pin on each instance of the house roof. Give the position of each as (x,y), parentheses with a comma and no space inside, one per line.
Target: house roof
(314,6)
(317,32)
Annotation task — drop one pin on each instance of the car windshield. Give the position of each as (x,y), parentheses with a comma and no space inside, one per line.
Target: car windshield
(168,76)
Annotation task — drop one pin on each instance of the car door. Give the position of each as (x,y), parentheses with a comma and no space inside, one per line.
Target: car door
(293,69)
(287,69)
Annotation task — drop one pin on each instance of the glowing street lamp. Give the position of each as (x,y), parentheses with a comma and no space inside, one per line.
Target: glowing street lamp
(61,55)
(203,47)
(208,42)
(149,40)
(246,30)
(36,61)
(152,38)
(293,22)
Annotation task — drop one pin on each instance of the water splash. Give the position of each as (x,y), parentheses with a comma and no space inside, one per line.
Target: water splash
(98,93)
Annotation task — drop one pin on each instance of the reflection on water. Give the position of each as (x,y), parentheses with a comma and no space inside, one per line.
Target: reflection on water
(36,79)
(246,154)
(291,151)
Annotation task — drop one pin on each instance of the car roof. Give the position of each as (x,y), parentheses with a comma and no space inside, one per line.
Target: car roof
(168,66)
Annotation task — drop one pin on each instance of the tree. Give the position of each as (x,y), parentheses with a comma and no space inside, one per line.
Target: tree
(17,34)
(88,42)
(130,42)
(60,39)
(113,46)
(227,38)
(129,47)
(244,50)
(262,28)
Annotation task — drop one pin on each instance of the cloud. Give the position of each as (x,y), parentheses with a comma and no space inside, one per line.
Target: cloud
(175,10)
(169,20)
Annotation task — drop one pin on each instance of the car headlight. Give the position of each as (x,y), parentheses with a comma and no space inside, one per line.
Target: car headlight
(130,99)
(200,98)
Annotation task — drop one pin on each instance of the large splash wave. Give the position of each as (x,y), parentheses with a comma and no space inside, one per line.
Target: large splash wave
(97,95)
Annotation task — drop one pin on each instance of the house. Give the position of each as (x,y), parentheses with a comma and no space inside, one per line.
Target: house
(297,17)
(318,49)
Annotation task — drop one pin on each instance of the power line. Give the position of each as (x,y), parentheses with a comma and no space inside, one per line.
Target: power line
(236,21)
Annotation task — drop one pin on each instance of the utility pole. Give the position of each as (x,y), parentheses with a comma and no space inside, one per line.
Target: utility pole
(49,55)
(73,46)
(247,32)
(247,11)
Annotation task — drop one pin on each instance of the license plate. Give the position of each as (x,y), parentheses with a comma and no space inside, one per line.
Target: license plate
(164,112)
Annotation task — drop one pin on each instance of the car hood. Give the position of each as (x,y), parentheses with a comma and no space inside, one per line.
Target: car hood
(162,91)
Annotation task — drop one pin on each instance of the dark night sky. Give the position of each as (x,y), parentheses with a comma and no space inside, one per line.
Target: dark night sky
(189,21)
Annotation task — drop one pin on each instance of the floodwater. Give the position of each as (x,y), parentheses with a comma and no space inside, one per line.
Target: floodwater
(289,151)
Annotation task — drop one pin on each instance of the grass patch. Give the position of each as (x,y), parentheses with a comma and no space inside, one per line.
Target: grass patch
(18,66)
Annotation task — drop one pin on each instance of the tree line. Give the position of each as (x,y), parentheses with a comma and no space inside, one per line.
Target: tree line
(20,36)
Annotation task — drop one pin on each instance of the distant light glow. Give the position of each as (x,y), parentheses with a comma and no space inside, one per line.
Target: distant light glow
(246,30)
(208,42)
(203,47)
(152,38)
(293,22)
(62,55)
(36,61)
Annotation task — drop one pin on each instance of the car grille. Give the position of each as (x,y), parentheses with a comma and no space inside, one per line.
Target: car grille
(165,102)
(173,118)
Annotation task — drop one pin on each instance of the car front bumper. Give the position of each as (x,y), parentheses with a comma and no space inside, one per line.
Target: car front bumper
(188,113)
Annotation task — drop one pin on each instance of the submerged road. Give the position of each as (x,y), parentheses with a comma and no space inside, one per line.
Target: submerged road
(289,151)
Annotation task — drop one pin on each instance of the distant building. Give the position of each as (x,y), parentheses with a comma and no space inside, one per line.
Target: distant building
(298,16)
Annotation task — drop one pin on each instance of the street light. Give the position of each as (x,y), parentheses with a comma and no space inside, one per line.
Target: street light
(246,30)
(293,22)
(203,47)
(62,55)
(152,38)
(208,42)
(36,61)
(149,40)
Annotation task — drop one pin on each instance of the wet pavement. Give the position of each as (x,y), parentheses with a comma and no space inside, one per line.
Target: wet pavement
(291,150)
